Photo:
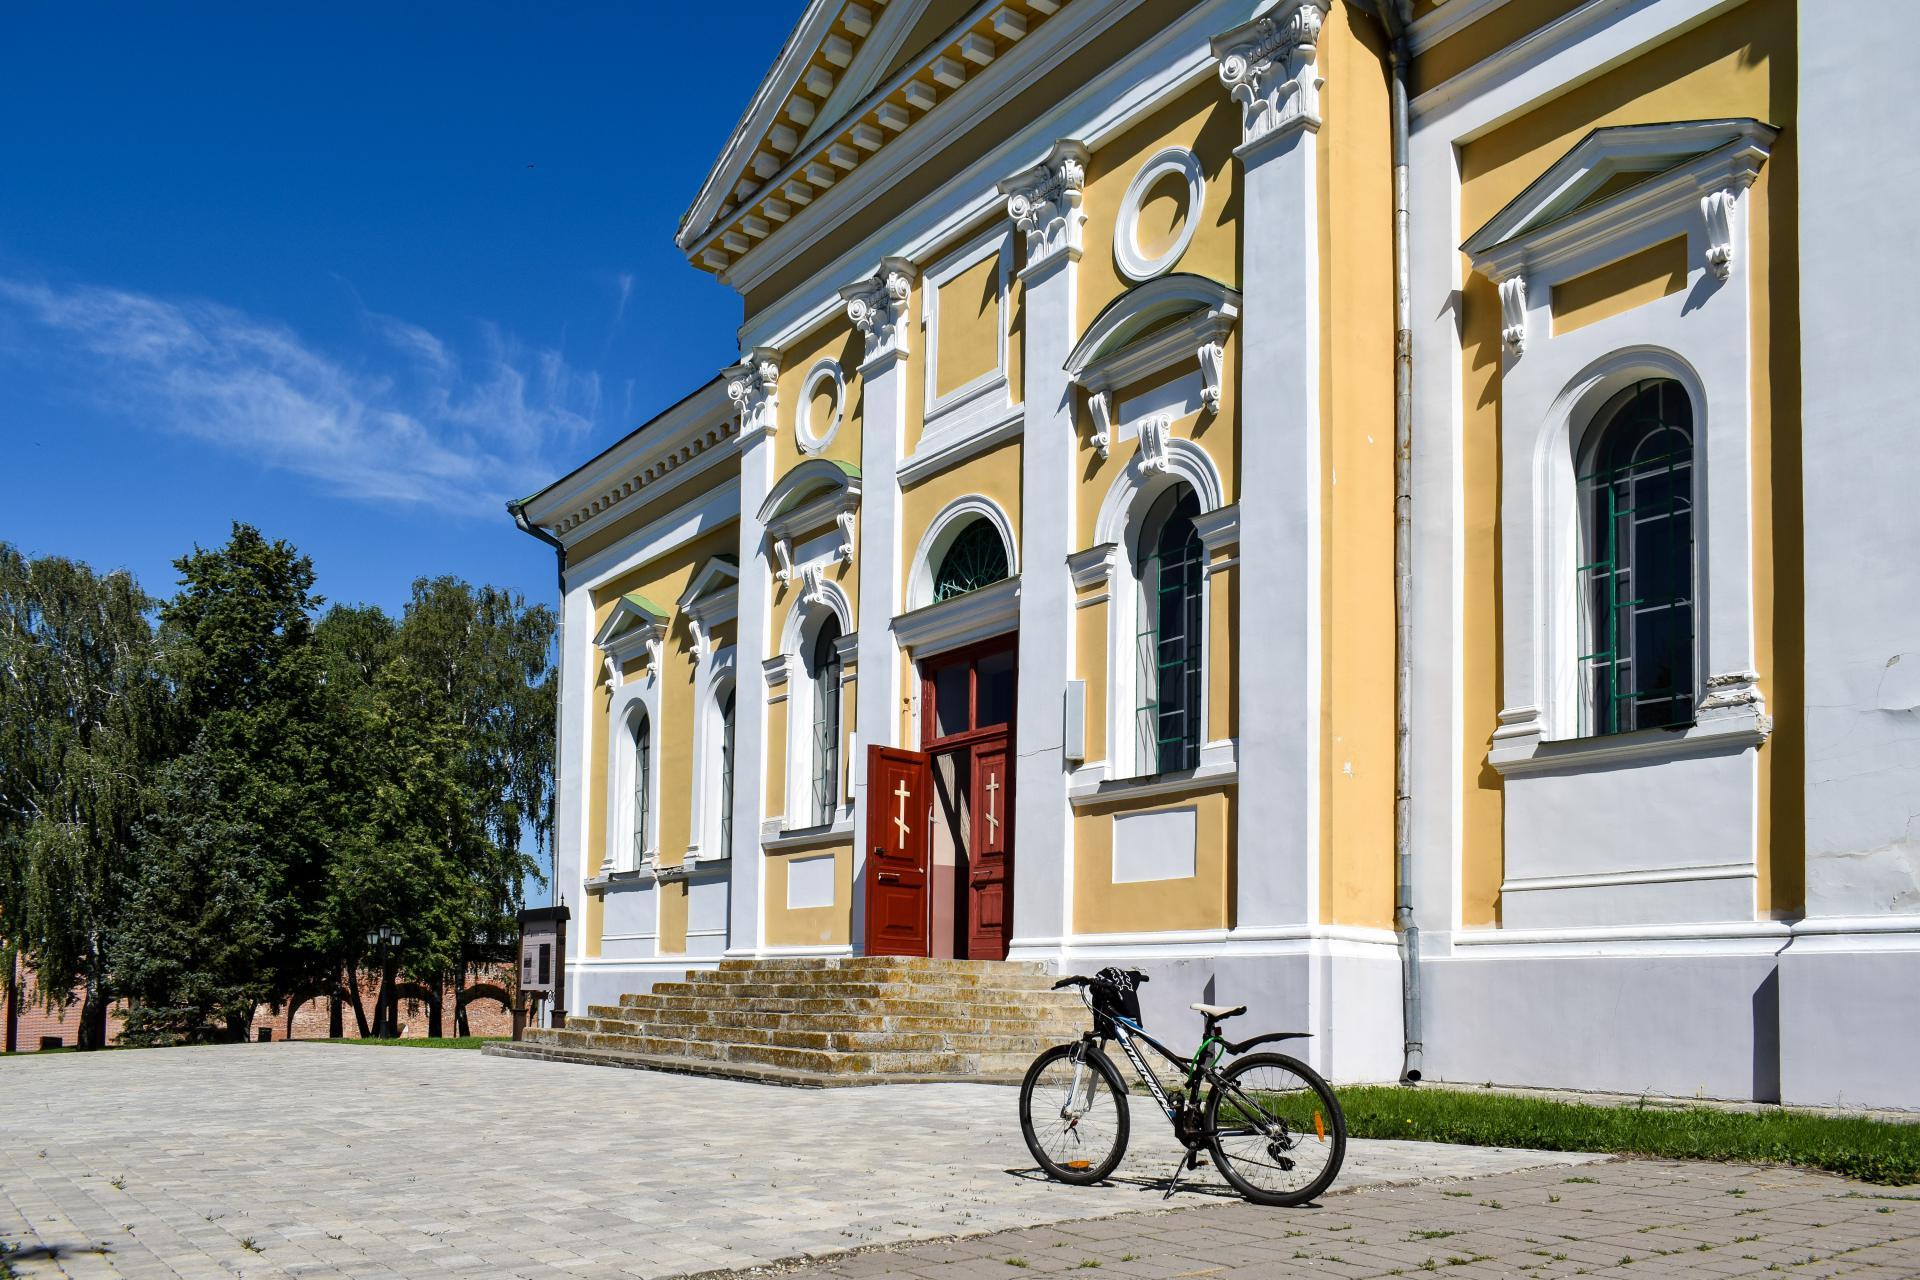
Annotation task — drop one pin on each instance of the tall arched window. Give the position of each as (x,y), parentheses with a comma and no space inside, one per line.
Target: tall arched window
(1170,566)
(726,775)
(823,669)
(976,559)
(642,786)
(1637,561)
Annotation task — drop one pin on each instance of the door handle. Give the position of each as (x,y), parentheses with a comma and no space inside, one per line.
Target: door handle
(886,877)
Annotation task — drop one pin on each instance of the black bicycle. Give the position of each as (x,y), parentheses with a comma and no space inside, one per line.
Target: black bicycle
(1270,1122)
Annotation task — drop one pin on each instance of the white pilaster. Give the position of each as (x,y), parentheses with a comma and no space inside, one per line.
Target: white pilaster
(575,711)
(1268,65)
(878,308)
(1044,203)
(753,385)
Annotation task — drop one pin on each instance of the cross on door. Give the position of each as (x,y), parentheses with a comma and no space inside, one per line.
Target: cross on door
(900,819)
(993,820)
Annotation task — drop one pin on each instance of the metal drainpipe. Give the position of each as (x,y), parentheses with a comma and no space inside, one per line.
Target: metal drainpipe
(518,510)
(1395,15)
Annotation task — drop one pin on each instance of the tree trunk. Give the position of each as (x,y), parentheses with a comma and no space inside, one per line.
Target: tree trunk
(434,1025)
(336,1012)
(93,1015)
(459,992)
(359,1009)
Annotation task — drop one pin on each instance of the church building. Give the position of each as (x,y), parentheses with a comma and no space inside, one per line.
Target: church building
(1397,513)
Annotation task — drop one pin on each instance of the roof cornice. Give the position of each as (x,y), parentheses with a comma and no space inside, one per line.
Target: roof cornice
(667,451)
(952,67)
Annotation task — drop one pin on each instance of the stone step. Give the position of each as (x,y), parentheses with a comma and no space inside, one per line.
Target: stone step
(843,1004)
(854,963)
(861,991)
(739,1070)
(725,980)
(838,1040)
(720,1021)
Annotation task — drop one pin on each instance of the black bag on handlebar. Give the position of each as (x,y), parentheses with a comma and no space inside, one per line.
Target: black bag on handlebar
(1116,993)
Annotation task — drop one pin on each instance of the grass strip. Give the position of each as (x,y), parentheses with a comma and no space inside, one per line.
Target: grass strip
(1872,1150)
(424,1042)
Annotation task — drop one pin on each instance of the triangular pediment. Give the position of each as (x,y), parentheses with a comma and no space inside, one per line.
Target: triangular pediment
(1608,166)
(854,78)
(716,577)
(634,619)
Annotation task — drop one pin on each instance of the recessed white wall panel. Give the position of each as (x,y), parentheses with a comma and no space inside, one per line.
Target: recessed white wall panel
(1154,846)
(810,882)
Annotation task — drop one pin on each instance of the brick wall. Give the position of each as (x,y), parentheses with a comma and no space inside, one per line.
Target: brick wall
(486,1015)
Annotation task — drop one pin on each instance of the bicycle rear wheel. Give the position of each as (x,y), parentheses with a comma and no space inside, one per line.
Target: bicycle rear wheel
(1275,1129)
(1073,1113)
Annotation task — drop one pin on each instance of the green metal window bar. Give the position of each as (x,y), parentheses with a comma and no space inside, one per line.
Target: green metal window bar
(1167,653)
(826,726)
(976,559)
(642,778)
(1637,578)
(726,776)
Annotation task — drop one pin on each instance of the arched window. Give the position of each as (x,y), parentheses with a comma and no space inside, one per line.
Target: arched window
(977,558)
(823,669)
(726,775)
(642,786)
(1636,563)
(1170,566)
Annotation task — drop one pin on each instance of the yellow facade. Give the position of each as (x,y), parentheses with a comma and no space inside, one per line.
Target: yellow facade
(1739,64)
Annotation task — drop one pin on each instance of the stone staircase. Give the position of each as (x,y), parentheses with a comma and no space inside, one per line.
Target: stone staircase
(827,1022)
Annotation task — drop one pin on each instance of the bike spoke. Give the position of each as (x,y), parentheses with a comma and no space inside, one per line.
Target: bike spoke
(1272,1128)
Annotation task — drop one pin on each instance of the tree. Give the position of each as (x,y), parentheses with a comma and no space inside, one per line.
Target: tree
(479,659)
(233,881)
(83,714)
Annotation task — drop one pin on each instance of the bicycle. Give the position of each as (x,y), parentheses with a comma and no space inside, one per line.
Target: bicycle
(1269,1121)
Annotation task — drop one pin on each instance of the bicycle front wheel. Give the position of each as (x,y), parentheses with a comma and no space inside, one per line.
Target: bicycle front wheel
(1275,1129)
(1073,1113)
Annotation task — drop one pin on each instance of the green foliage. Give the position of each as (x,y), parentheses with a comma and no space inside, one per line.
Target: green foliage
(1860,1148)
(83,714)
(425,1042)
(212,815)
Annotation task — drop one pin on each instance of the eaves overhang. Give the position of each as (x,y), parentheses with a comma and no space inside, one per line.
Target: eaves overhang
(699,431)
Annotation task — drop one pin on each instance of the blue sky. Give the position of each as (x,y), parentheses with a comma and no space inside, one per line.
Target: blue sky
(353,273)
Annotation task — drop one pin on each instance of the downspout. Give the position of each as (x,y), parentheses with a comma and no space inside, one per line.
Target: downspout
(518,510)
(1396,15)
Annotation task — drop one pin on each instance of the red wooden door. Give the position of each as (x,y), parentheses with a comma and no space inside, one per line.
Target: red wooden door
(989,866)
(899,811)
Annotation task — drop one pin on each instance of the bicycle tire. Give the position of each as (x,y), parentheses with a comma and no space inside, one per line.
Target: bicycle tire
(1328,1118)
(1089,1169)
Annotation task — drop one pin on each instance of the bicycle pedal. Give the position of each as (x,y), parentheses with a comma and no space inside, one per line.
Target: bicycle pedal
(1193,1159)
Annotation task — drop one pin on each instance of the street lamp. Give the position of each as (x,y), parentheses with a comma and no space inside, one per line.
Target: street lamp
(386,939)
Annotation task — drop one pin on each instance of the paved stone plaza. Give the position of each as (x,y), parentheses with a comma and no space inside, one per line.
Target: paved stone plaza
(319,1160)
(1628,1219)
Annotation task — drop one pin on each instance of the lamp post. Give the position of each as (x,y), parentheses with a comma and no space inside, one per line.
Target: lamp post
(385,938)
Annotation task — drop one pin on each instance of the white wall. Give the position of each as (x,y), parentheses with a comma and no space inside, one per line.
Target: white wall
(1859,178)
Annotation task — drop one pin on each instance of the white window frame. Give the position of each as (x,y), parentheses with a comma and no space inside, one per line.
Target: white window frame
(827,369)
(823,599)
(1552,387)
(1113,560)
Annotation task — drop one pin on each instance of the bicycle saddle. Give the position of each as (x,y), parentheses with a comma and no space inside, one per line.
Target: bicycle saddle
(1217,1011)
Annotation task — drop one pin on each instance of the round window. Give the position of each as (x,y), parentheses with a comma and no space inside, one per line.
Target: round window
(1159,213)
(822,398)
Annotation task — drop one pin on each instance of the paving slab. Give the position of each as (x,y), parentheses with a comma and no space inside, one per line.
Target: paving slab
(345,1160)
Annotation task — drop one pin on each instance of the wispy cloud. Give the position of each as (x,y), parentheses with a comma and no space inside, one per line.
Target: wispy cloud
(412,421)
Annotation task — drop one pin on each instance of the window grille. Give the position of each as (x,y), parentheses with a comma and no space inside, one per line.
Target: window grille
(826,724)
(976,559)
(1167,643)
(642,779)
(726,776)
(1637,575)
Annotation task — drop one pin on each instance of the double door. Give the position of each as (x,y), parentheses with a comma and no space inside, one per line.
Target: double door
(939,876)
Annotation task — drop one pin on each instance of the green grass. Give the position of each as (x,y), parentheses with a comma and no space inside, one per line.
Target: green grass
(1873,1150)
(427,1042)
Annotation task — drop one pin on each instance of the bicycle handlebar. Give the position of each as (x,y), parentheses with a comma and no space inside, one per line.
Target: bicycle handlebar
(1139,978)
